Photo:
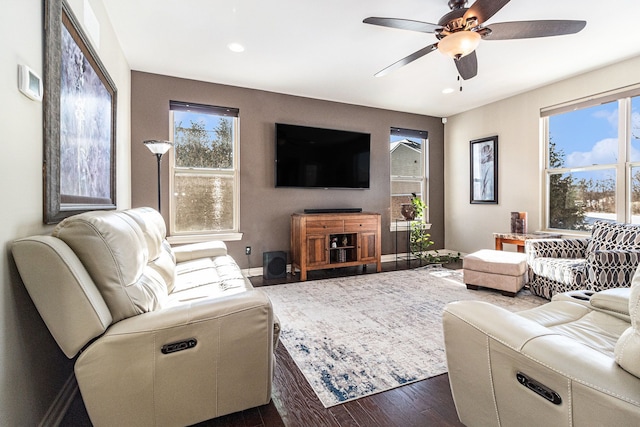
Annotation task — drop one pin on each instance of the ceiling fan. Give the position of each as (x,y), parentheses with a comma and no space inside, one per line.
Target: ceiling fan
(459,32)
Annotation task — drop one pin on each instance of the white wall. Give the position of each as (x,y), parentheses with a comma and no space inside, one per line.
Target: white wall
(516,121)
(33,369)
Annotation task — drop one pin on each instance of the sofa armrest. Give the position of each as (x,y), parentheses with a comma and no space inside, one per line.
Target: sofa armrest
(467,327)
(608,269)
(486,346)
(126,379)
(556,248)
(212,248)
(515,331)
(62,290)
(613,301)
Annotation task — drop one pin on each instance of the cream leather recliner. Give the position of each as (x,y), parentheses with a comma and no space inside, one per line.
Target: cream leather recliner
(574,361)
(164,336)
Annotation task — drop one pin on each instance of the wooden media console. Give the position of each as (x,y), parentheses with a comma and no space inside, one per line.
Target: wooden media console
(321,241)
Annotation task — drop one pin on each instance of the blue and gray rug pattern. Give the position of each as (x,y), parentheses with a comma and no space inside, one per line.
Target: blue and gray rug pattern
(359,335)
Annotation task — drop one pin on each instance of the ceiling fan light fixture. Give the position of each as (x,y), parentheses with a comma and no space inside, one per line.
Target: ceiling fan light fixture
(459,44)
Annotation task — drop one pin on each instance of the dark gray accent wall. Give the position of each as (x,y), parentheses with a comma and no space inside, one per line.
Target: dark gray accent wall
(265,211)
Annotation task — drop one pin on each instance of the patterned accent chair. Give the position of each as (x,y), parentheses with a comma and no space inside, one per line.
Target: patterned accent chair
(608,259)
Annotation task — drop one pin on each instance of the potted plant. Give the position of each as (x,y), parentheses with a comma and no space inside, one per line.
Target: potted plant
(420,238)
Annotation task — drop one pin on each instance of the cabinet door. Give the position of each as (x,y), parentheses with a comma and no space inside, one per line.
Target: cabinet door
(317,250)
(368,247)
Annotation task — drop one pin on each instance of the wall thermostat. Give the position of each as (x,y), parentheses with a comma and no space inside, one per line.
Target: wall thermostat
(29,83)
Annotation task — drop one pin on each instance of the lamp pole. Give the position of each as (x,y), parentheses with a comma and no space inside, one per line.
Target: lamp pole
(158,148)
(159,157)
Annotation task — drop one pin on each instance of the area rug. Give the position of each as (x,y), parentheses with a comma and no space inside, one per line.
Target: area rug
(359,335)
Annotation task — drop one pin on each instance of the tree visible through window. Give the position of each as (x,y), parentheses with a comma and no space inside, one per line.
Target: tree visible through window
(204,169)
(565,209)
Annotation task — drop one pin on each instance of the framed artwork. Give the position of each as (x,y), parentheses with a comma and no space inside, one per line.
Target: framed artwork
(79,121)
(484,170)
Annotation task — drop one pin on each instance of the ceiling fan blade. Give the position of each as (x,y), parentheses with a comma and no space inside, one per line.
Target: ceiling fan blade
(532,29)
(403,24)
(484,9)
(467,65)
(406,60)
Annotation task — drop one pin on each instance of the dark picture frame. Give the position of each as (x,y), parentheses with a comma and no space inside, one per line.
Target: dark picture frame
(79,171)
(484,170)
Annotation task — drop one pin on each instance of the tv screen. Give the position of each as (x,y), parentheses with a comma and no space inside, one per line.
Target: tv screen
(321,158)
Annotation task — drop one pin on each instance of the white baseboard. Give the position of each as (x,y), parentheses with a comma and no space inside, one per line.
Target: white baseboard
(257,271)
(58,409)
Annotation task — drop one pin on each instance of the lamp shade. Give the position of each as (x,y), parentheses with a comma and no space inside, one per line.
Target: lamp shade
(157,146)
(459,44)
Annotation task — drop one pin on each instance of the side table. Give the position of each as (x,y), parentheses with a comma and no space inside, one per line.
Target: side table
(519,238)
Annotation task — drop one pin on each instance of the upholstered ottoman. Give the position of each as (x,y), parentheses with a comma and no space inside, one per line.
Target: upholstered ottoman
(504,271)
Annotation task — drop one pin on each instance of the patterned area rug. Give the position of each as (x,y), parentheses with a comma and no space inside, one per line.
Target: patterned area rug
(359,335)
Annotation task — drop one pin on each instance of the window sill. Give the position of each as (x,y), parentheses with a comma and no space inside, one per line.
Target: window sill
(567,234)
(405,225)
(198,238)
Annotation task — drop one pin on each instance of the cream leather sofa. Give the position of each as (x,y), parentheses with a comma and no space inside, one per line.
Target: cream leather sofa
(574,361)
(164,336)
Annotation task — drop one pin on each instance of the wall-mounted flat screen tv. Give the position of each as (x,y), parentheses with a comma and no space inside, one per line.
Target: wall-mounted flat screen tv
(311,157)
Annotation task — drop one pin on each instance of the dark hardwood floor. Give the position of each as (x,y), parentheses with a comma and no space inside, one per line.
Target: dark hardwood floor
(293,403)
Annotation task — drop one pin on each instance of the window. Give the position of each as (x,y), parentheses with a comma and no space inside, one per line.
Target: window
(407,150)
(593,163)
(204,169)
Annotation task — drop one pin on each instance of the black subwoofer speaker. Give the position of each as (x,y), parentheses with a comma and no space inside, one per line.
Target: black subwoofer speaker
(274,265)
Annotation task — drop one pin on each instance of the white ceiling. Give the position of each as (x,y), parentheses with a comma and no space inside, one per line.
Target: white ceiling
(321,49)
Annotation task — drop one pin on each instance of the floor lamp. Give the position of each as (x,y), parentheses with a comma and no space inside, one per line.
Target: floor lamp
(158,148)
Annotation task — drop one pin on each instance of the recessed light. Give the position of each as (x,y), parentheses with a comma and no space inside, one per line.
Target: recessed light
(447,90)
(235,47)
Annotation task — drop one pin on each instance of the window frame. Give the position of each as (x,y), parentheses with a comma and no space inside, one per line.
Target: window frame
(232,234)
(423,179)
(623,166)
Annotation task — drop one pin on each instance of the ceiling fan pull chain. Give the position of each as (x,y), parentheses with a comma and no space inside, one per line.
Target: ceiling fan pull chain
(460,82)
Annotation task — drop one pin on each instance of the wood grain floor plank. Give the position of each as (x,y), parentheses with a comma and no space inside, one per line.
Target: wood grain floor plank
(294,398)
(343,416)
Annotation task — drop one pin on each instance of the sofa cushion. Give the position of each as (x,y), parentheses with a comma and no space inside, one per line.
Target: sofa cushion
(113,249)
(221,273)
(594,329)
(161,256)
(609,236)
(209,249)
(568,271)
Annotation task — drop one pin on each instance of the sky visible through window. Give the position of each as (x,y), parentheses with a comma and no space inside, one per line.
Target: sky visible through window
(396,138)
(589,136)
